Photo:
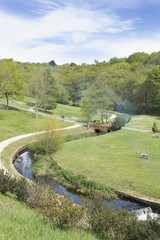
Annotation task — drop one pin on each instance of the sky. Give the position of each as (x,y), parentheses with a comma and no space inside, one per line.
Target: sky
(78,31)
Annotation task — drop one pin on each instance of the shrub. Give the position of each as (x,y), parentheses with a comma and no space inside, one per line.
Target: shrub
(36,194)
(21,189)
(118,123)
(5,179)
(50,140)
(61,212)
(119,224)
(155,128)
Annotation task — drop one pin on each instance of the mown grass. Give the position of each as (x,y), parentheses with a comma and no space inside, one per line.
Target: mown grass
(70,112)
(144,122)
(114,159)
(15,122)
(19,222)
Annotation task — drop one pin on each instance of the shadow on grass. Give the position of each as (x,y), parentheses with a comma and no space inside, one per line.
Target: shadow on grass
(30,104)
(45,111)
(13,109)
(4,107)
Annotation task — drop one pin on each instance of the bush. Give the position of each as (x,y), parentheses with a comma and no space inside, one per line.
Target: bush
(5,179)
(50,140)
(120,224)
(118,123)
(36,194)
(155,128)
(61,212)
(21,189)
(14,185)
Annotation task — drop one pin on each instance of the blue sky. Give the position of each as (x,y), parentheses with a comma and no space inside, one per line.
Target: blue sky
(77,30)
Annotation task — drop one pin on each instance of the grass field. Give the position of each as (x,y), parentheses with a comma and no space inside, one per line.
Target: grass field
(15,122)
(114,159)
(144,122)
(19,222)
(70,112)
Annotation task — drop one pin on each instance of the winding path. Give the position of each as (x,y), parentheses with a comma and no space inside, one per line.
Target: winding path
(43,114)
(5,143)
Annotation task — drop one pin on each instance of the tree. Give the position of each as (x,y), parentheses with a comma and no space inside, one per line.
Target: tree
(152,87)
(11,81)
(87,107)
(52,63)
(42,89)
(97,98)
(138,57)
(50,140)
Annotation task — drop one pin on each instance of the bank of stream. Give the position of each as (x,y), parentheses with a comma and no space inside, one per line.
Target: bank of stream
(24,163)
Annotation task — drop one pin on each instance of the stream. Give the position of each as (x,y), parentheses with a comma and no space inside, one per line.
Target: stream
(23,164)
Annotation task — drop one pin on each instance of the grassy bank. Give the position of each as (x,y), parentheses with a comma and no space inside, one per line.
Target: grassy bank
(114,159)
(19,222)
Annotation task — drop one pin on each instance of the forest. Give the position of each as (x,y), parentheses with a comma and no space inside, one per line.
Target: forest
(128,85)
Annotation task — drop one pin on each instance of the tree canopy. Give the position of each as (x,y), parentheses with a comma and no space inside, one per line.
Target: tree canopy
(11,80)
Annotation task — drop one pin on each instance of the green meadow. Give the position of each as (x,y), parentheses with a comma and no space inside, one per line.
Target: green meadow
(16,122)
(144,122)
(115,160)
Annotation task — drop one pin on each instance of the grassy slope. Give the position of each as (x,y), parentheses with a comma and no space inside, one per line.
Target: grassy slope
(114,159)
(15,122)
(19,222)
(72,113)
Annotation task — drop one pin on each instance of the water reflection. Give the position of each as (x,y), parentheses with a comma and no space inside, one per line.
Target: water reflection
(24,164)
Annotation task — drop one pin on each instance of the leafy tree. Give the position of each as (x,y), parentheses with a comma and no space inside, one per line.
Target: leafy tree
(98,98)
(118,123)
(50,140)
(11,81)
(138,57)
(42,89)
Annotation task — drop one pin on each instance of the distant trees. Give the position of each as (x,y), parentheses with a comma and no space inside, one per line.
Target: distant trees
(11,80)
(138,57)
(133,83)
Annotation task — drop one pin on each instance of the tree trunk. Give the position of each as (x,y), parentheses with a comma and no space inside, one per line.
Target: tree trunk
(7,99)
(36,110)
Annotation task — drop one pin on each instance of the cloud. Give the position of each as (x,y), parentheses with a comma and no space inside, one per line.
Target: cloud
(86,34)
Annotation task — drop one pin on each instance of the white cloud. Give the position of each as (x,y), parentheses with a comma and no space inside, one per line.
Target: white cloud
(124,46)
(82,31)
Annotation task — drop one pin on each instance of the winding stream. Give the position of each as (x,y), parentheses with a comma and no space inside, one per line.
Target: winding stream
(23,164)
